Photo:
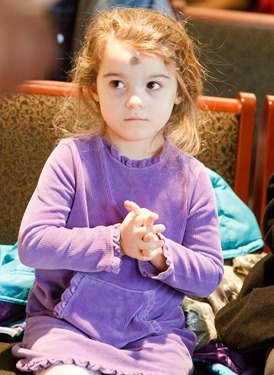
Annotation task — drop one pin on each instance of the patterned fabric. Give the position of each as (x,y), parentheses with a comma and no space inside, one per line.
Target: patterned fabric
(28,137)
(220,144)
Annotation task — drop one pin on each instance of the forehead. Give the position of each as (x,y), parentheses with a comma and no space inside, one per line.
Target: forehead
(119,51)
(119,57)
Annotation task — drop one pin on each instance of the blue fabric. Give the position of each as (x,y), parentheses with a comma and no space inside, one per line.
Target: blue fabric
(159,5)
(15,278)
(240,232)
(218,368)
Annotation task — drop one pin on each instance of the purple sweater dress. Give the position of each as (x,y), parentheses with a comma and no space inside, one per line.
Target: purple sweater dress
(89,305)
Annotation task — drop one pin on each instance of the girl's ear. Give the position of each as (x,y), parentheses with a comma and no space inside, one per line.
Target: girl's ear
(94,92)
(178,99)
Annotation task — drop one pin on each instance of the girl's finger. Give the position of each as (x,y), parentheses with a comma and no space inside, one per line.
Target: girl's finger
(155,229)
(151,217)
(158,228)
(146,253)
(148,237)
(146,219)
(152,245)
(132,206)
(149,253)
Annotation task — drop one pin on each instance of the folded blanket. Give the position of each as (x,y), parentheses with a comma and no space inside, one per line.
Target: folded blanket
(15,283)
(240,232)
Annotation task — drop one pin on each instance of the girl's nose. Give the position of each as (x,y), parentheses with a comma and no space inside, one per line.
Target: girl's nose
(134,101)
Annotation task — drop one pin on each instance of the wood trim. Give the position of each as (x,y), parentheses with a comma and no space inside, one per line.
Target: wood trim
(245,145)
(237,17)
(46,87)
(264,166)
(212,103)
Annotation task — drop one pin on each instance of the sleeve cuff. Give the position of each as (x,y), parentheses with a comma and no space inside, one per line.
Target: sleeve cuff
(148,270)
(117,254)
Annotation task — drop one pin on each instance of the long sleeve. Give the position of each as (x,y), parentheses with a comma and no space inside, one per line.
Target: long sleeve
(55,232)
(196,264)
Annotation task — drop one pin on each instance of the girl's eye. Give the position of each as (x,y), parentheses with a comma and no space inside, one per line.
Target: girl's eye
(117,84)
(153,85)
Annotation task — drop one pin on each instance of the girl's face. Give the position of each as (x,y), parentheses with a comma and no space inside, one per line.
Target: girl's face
(136,95)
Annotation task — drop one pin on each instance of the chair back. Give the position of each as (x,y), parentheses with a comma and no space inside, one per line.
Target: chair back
(229,151)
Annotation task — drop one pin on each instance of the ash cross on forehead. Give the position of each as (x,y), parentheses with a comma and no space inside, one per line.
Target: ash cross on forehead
(134,60)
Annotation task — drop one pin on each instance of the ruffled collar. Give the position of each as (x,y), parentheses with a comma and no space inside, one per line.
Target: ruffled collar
(136,163)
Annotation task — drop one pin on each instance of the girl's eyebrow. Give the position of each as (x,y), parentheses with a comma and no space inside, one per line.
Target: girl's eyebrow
(154,76)
(110,74)
(159,76)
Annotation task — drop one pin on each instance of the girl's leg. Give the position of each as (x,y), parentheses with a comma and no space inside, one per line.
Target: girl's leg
(66,370)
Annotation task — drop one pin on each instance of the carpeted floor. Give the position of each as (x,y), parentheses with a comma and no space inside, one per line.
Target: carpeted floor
(7,361)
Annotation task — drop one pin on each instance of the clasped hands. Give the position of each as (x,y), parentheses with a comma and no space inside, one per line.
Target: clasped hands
(139,236)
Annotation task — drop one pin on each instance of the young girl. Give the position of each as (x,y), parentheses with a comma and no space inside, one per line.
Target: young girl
(123,222)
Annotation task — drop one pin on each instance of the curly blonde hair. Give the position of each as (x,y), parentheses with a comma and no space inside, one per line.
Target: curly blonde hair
(149,33)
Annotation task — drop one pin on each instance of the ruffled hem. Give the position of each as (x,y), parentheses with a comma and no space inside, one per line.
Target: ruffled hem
(40,364)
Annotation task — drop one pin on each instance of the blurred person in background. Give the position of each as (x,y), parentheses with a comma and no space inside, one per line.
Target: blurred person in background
(27,41)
